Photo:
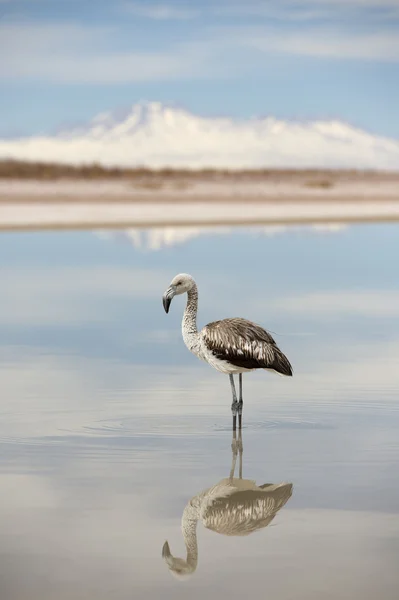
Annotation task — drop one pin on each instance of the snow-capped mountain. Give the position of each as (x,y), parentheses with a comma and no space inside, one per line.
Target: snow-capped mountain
(157,136)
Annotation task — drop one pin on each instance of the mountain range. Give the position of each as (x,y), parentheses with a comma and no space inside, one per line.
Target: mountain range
(155,136)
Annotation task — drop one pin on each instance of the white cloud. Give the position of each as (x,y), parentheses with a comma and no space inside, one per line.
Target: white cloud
(329,44)
(318,42)
(303,9)
(66,52)
(352,3)
(162,12)
(69,53)
(343,15)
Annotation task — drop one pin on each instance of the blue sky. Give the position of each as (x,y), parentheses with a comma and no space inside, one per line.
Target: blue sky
(63,62)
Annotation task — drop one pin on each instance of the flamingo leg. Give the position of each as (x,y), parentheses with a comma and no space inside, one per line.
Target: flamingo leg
(240,449)
(234,455)
(234,405)
(241,403)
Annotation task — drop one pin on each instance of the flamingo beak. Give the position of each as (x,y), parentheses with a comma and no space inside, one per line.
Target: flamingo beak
(166,553)
(168,297)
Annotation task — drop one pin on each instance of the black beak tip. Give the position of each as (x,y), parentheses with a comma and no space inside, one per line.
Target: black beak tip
(166,303)
(165,549)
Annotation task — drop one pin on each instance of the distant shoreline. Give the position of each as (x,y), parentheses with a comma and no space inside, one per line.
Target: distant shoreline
(271,188)
(206,198)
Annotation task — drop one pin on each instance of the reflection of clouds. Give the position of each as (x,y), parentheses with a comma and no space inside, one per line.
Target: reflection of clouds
(364,366)
(157,238)
(26,492)
(45,395)
(363,302)
(54,297)
(50,295)
(101,537)
(160,336)
(106,497)
(104,501)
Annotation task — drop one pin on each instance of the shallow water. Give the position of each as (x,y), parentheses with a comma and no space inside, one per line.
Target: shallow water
(109,426)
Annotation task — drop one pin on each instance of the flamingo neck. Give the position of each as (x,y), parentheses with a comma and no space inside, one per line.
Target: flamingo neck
(189,323)
(189,530)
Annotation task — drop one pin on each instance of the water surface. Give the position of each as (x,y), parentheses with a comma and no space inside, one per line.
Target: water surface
(109,426)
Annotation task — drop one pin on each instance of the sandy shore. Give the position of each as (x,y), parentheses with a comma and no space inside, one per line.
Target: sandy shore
(101,204)
(200,191)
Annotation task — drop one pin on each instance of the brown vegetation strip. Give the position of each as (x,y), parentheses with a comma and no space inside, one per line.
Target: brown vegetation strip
(40,171)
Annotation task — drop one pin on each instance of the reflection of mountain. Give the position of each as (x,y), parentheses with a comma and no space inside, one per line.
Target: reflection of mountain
(157,238)
(232,507)
(158,136)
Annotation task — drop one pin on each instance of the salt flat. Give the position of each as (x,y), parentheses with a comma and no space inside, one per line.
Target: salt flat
(331,187)
(42,215)
(30,204)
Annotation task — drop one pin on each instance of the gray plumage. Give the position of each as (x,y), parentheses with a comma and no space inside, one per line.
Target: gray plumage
(231,346)
(245,344)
